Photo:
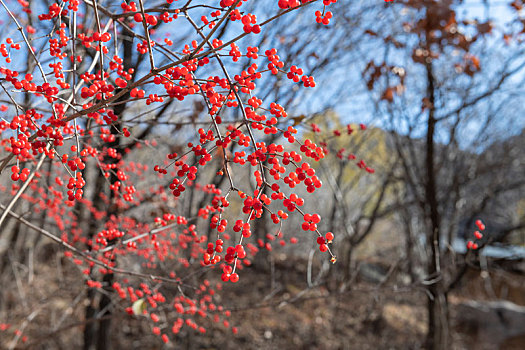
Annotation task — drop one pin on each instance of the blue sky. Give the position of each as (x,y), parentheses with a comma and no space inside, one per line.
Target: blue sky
(359,107)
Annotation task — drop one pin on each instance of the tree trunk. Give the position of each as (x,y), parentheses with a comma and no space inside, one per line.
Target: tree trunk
(438,337)
(438,325)
(98,333)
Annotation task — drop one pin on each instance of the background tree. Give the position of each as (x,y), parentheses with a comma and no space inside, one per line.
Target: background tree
(453,114)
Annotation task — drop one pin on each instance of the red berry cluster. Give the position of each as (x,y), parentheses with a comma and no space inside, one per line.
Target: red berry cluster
(81,123)
(323,241)
(250,24)
(323,18)
(19,176)
(477,235)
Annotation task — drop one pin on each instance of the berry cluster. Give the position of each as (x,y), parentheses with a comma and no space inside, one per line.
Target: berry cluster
(73,119)
(477,235)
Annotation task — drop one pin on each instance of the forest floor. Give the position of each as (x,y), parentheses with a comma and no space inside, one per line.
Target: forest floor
(272,308)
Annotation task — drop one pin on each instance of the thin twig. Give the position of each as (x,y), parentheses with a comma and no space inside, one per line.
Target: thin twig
(22,189)
(146,31)
(21,29)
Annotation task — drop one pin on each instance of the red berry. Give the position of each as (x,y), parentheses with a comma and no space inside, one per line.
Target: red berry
(152,20)
(480,225)
(234,277)
(137,17)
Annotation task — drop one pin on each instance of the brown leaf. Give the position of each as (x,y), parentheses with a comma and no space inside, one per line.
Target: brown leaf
(517,5)
(297,120)
(425,104)
(484,28)
(388,95)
